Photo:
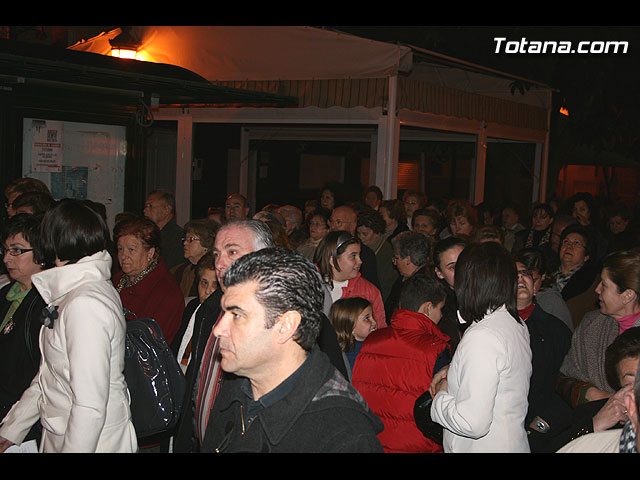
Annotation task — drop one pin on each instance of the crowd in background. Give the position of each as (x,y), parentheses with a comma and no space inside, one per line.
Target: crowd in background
(540,307)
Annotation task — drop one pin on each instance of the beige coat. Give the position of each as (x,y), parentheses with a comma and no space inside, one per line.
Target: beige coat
(79,394)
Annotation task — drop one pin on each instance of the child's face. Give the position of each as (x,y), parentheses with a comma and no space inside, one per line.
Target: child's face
(365,324)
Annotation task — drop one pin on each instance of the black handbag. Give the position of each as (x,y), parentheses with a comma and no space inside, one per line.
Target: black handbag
(422,416)
(154,378)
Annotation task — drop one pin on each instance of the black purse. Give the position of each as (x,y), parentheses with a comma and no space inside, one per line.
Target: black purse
(422,415)
(154,378)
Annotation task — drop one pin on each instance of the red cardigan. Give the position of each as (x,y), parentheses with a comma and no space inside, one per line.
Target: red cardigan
(361,287)
(394,367)
(156,296)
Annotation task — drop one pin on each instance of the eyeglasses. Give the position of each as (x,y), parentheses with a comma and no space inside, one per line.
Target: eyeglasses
(568,243)
(191,239)
(14,252)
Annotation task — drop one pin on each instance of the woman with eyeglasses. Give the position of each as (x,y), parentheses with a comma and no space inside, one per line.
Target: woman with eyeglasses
(146,286)
(578,274)
(79,393)
(550,340)
(338,259)
(199,239)
(20,307)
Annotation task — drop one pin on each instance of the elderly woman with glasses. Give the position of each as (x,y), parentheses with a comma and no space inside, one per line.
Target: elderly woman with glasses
(20,307)
(338,259)
(198,240)
(578,274)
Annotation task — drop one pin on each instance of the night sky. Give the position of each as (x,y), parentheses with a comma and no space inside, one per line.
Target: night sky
(601,91)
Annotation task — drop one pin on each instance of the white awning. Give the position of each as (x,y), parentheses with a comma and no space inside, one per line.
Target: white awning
(220,53)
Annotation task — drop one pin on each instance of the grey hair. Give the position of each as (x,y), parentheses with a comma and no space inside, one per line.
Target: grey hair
(262,236)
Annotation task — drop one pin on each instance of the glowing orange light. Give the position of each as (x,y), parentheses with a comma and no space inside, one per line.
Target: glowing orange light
(564,111)
(123,53)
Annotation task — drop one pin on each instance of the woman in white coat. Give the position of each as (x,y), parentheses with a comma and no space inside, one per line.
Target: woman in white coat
(79,393)
(481,397)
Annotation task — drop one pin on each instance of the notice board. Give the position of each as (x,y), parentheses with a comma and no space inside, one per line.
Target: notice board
(77,160)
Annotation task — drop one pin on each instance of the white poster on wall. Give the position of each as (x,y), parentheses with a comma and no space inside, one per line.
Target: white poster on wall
(46,150)
(91,161)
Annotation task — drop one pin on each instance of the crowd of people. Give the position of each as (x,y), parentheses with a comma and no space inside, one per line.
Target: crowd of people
(322,327)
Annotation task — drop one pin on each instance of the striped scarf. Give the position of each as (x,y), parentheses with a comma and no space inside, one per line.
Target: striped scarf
(209,382)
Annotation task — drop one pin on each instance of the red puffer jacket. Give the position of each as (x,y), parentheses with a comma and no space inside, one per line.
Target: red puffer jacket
(394,367)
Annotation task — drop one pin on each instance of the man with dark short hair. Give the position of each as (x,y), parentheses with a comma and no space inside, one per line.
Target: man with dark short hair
(281,393)
(160,208)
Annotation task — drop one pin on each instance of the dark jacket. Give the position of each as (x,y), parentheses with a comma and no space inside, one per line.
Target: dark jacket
(550,341)
(171,244)
(184,440)
(321,413)
(19,348)
(20,351)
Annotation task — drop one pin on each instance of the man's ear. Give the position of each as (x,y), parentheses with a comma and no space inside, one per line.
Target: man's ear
(287,325)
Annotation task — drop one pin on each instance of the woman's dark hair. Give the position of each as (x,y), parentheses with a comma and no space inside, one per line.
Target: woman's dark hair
(205,229)
(39,202)
(625,345)
(548,209)
(623,267)
(461,207)
(370,218)
(28,226)
(372,188)
(585,233)
(444,245)
(395,208)
(533,259)
(329,249)
(71,230)
(337,191)
(486,279)
(206,262)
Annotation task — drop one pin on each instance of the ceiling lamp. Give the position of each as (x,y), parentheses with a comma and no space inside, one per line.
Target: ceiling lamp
(124,45)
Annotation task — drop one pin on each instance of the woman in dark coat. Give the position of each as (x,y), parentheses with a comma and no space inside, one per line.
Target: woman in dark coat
(20,308)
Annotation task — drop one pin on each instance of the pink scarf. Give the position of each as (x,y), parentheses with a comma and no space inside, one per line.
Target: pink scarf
(627,322)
